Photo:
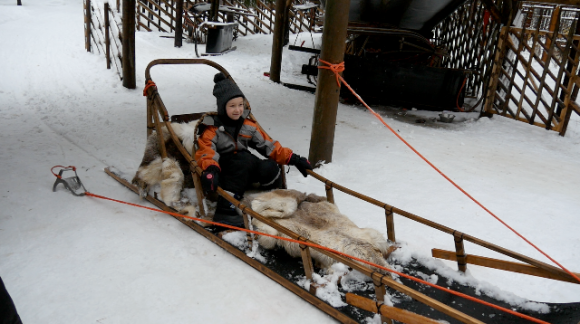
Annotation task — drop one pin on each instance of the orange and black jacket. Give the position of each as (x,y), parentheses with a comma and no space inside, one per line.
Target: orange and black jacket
(214,141)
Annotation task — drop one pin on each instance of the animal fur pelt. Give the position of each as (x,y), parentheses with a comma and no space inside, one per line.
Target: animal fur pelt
(321,222)
(172,173)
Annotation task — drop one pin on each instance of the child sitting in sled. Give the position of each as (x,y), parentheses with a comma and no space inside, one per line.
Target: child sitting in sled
(224,154)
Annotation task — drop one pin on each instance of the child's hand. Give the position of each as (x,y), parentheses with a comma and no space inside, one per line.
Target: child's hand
(210,178)
(301,163)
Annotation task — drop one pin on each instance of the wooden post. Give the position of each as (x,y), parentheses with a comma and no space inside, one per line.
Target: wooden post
(278,41)
(460,251)
(129,44)
(329,193)
(380,292)
(327,91)
(390,224)
(178,23)
(118,6)
(495,71)
(306,260)
(18,3)
(107,40)
(88,25)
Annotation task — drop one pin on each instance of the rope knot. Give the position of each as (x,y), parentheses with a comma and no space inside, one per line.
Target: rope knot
(148,85)
(334,68)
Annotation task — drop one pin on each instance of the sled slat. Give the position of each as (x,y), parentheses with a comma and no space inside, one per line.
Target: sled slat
(501,265)
(397,314)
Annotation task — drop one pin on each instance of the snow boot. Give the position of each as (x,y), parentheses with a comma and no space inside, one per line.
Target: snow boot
(226,213)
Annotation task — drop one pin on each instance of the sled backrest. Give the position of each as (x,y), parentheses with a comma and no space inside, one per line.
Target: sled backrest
(156,108)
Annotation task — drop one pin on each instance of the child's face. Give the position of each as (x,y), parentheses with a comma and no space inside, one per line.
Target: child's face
(235,108)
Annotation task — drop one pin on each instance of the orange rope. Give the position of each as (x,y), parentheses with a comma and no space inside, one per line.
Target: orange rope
(148,85)
(335,67)
(453,292)
(70,167)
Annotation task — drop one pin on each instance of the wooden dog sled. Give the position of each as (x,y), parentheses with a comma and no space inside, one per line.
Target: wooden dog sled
(362,303)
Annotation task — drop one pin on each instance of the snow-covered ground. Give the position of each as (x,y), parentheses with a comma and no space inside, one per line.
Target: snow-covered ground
(80,260)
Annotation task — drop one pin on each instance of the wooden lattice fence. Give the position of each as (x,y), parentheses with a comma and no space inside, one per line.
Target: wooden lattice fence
(469,36)
(533,75)
(103,33)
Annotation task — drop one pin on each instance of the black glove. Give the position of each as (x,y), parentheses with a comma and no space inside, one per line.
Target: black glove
(210,178)
(301,163)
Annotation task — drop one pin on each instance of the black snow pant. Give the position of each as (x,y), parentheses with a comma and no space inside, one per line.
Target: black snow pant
(238,171)
(8,314)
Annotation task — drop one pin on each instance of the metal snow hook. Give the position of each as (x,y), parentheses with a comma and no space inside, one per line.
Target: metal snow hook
(73,184)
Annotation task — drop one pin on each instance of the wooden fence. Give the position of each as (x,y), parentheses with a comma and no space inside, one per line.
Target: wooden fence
(103,33)
(160,15)
(534,74)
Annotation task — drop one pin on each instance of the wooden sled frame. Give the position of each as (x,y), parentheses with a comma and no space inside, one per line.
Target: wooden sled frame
(157,117)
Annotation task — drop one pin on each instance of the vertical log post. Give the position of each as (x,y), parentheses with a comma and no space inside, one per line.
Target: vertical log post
(329,192)
(390,224)
(178,24)
(278,41)
(107,39)
(88,25)
(129,44)
(327,91)
(380,292)
(118,6)
(460,251)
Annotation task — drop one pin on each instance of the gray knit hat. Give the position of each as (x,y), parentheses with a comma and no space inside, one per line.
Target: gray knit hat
(224,90)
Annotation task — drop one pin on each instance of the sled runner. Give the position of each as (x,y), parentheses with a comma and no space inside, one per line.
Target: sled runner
(424,302)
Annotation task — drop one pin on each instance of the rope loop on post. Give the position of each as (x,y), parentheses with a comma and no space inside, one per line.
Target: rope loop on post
(334,68)
(148,85)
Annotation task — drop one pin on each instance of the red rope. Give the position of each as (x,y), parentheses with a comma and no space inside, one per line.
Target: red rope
(335,67)
(453,292)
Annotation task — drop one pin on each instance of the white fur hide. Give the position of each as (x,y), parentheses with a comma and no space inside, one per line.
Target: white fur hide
(321,222)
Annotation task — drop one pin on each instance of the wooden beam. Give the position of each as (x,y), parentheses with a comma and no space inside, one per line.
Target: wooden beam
(129,44)
(397,314)
(502,265)
(327,90)
(179,24)
(278,42)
